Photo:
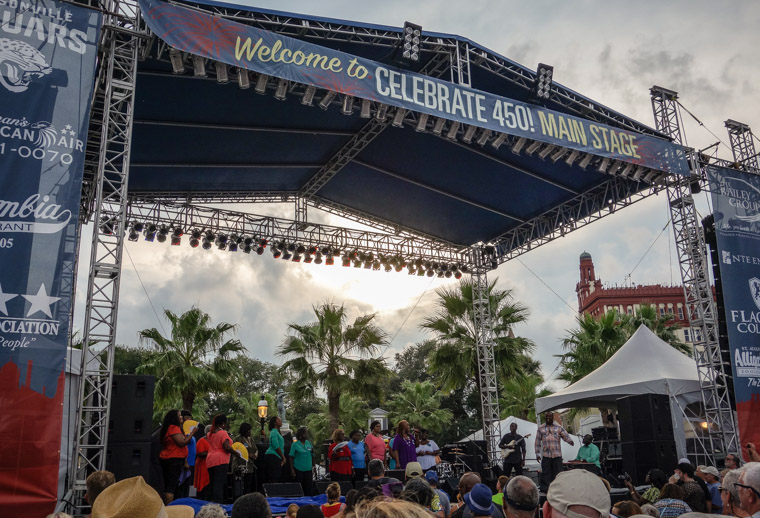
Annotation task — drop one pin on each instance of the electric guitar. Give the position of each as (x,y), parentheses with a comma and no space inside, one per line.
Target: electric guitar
(511,447)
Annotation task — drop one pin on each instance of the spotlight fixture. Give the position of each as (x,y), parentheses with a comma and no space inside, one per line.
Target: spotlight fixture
(626,170)
(281,92)
(543,82)
(221,72)
(347,106)
(247,249)
(533,147)
(176,240)
(138,227)
(518,145)
(346,261)
(558,154)
(233,247)
(572,157)
(382,111)
(206,244)
(498,141)
(178,65)
(286,255)
(162,233)
(585,161)
(133,236)
(411,44)
(469,133)
(453,129)
(243,79)
(603,165)
(261,84)
(366,111)
(308,95)
(398,117)
(259,250)
(484,136)
(546,151)
(199,66)
(330,260)
(324,103)
(438,127)
(421,122)
(276,253)
(318,258)
(637,173)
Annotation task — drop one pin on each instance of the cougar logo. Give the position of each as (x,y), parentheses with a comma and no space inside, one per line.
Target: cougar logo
(20,63)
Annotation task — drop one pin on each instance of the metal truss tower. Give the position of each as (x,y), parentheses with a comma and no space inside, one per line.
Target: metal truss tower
(692,258)
(110,129)
(743,146)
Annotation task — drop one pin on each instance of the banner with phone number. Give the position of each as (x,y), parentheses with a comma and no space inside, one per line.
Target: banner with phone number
(287,58)
(47,63)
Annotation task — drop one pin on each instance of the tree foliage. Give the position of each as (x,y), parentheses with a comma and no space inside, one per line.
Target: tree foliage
(420,404)
(518,397)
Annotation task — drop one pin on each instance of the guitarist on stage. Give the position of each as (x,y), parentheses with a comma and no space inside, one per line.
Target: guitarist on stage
(516,459)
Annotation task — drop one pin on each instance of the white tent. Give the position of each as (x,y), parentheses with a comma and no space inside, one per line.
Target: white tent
(645,364)
(524,428)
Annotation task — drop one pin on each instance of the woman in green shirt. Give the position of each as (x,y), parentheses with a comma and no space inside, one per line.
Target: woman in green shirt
(300,461)
(274,458)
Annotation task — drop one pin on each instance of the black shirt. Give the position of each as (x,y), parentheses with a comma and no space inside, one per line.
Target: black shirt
(517,456)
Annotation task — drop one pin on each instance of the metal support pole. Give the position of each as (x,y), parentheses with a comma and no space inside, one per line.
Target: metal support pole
(692,258)
(743,146)
(489,392)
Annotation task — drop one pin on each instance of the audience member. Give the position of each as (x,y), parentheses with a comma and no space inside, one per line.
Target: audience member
(412,470)
(712,479)
(749,488)
(466,483)
(432,479)
(520,498)
(626,509)
(333,505)
(729,495)
(211,511)
(650,510)
(754,456)
(656,478)
(309,511)
(134,498)
(671,503)
(694,495)
(479,501)
(350,503)
(733,461)
(173,452)
(501,484)
(59,515)
(577,494)
(201,479)
(377,475)
(417,490)
(96,482)
(292,511)
(218,458)
(391,509)
(252,505)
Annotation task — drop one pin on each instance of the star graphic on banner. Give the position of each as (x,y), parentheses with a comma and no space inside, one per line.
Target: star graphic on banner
(41,302)
(5,297)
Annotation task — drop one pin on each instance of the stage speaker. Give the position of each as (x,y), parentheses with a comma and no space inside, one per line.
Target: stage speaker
(399,474)
(450,486)
(641,456)
(645,417)
(345,485)
(128,459)
(131,408)
(284,490)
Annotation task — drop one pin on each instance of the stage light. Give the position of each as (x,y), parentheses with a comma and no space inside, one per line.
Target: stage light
(498,141)
(637,174)
(194,242)
(533,147)
(398,117)
(329,261)
(572,156)
(411,44)
(247,249)
(308,95)
(469,133)
(243,79)
(626,170)
(276,253)
(233,247)
(161,238)
(261,84)
(421,122)
(325,250)
(585,161)
(324,103)
(347,106)
(286,255)
(357,264)
(263,243)
(376,265)
(558,154)
(199,66)
(206,244)
(484,136)
(150,232)
(138,226)
(133,236)
(221,73)
(346,261)
(650,176)
(399,267)
(420,272)
(388,268)
(603,165)
(281,92)
(382,111)
(438,126)
(543,82)
(453,130)
(318,258)
(366,111)
(259,250)
(178,65)
(546,151)
(291,247)
(430,273)
(457,275)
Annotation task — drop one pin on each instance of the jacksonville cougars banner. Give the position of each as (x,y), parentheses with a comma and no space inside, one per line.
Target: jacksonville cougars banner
(280,56)
(47,62)
(736,205)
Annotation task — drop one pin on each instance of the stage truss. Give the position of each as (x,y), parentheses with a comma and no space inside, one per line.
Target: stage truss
(106,202)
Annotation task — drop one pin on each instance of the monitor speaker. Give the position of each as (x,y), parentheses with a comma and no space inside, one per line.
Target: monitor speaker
(645,417)
(642,456)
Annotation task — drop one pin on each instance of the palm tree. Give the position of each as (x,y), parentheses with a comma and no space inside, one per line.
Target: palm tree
(420,404)
(195,360)
(647,315)
(454,361)
(519,396)
(354,414)
(590,345)
(335,357)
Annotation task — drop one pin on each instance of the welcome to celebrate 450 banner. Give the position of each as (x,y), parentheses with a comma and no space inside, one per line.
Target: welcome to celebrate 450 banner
(295,60)
(736,205)
(47,62)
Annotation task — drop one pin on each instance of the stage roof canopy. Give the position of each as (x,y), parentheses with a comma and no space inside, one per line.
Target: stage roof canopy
(196,138)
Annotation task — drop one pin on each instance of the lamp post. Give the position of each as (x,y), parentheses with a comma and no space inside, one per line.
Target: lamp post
(263,408)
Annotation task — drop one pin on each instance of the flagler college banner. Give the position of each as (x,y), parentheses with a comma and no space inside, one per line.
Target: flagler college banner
(736,205)
(47,64)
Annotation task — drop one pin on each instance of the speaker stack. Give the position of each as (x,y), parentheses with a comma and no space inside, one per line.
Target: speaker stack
(646,433)
(129,426)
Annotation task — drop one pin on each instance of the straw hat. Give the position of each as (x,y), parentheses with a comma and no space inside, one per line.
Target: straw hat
(133,498)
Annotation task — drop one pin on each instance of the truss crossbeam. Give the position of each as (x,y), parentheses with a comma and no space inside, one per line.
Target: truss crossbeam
(743,146)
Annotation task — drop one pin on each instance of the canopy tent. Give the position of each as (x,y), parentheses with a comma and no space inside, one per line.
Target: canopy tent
(645,364)
(524,428)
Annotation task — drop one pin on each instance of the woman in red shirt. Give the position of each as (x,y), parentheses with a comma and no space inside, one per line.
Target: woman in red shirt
(173,452)
(218,458)
(341,467)
(201,479)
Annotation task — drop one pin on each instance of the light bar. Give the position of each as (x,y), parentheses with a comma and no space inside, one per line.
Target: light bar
(545,152)
(411,44)
(605,163)
(586,160)
(543,82)
(572,157)
(558,154)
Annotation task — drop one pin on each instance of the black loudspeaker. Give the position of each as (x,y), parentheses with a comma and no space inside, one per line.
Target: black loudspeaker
(128,459)
(645,417)
(450,486)
(285,490)
(641,456)
(399,474)
(345,485)
(131,408)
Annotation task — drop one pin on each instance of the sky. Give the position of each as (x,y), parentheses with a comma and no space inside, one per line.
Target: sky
(612,52)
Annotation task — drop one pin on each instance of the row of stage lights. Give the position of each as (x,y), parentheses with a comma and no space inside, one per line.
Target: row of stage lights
(453,130)
(294,252)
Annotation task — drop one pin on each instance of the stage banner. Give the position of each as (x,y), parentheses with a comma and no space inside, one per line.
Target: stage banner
(280,56)
(47,66)
(736,206)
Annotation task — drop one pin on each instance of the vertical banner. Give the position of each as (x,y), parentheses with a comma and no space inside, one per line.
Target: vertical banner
(736,205)
(47,66)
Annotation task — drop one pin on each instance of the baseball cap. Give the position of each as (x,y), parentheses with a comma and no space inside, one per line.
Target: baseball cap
(431,476)
(413,469)
(479,500)
(134,498)
(578,487)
